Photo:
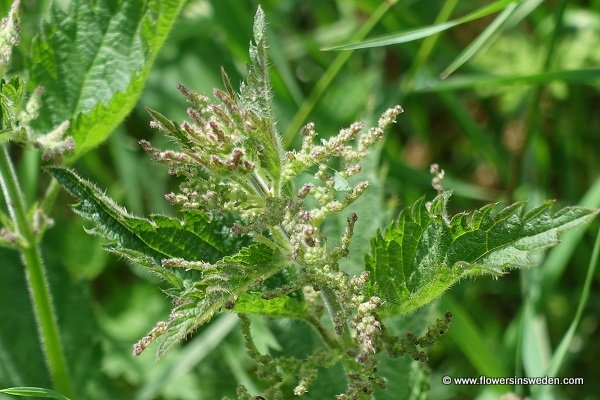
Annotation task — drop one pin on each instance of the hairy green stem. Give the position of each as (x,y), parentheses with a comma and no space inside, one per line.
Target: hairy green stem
(345,339)
(327,337)
(333,308)
(39,289)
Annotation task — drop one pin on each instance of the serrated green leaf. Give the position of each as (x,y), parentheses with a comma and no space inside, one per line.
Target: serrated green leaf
(147,241)
(93,60)
(423,253)
(12,103)
(27,391)
(255,96)
(284,307)
(220,287)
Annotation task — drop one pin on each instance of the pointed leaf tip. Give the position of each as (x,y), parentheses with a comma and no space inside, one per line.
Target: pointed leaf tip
(259,25)
(424,253)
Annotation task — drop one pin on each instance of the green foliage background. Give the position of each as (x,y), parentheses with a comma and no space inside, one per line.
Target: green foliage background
(485,126)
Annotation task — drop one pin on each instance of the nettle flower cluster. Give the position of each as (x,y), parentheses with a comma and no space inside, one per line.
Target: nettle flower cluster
(233,163)
(230,157)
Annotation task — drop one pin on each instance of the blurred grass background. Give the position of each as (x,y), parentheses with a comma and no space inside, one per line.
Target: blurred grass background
(511,124)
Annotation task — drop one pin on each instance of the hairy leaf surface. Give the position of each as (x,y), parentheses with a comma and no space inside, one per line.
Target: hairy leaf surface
(255,95)
(221,286)
(147,241)
(224,280)
(93,58)
(423,253)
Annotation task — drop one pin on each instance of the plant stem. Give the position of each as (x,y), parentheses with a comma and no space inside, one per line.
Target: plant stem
(327,337)
(345,342)
(36,278)
(345,339)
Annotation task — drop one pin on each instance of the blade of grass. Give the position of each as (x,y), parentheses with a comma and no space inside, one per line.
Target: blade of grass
(237,369)
(558,258)
(427,47)
(27,391)
(524,9)
(322,84)
(556,361)
(421,33)
(483,41)
(533,294)
(536,341)
(585,76)
(533,348)
(561,351)
(532,113)
(511,16)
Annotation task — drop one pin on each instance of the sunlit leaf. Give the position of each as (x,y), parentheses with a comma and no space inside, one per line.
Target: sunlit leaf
(424,252)
(286,307)
(92,59)
(482,41)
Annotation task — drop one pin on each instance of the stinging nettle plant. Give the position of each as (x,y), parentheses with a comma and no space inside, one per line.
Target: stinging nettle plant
(250,237)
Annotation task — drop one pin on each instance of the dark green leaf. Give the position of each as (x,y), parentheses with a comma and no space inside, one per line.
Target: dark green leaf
(143,240)
(423,253)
